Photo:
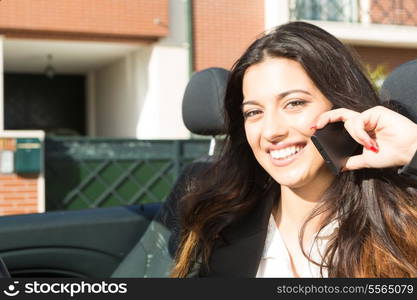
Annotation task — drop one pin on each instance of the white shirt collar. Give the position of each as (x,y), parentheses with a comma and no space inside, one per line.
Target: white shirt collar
(276,261)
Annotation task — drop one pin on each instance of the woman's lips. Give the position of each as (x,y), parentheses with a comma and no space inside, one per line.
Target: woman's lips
(286,161)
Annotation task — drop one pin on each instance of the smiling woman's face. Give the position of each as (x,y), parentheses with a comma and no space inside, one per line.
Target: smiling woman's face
(281,104)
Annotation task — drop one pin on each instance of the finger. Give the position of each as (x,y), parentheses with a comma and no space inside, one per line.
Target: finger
(340,114)
(370,119)
(357,129)
(351,126)
(355,162)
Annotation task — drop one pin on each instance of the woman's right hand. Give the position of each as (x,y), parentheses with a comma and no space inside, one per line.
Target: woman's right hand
(389,138)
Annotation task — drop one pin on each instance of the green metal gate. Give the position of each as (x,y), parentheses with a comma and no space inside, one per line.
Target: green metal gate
(101,172)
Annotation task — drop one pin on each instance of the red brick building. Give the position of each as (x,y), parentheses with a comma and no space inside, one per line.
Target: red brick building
(104,20)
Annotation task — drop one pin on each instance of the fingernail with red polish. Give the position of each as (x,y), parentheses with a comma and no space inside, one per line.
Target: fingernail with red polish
(372,148)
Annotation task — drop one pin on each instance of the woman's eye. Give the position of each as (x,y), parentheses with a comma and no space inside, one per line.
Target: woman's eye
(251,113)
(296,103)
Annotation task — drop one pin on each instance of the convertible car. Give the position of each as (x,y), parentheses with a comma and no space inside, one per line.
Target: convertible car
(140,240)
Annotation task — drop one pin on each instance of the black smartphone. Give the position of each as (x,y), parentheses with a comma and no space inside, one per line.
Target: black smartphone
(335,145)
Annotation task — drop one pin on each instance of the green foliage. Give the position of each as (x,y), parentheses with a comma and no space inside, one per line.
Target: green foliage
(377,75)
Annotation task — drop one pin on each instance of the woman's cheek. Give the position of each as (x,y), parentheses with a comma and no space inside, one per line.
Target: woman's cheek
(251,136)
(305,122)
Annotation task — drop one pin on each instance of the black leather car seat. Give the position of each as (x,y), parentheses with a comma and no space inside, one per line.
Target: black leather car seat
(400,88)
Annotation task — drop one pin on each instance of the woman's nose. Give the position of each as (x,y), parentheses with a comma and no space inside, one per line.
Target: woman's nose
(274,126)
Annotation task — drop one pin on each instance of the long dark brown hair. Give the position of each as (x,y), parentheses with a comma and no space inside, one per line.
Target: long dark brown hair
(375,208)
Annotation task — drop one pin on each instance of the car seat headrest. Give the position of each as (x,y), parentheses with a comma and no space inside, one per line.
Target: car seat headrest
(400,87)
(202,105)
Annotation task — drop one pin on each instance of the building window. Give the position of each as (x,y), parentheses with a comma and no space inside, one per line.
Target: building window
(324,10)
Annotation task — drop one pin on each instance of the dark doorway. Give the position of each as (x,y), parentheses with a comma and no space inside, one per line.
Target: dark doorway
(34,101)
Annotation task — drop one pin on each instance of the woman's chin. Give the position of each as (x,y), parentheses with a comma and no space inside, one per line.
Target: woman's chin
(291,181)
(293,184)
(297,178)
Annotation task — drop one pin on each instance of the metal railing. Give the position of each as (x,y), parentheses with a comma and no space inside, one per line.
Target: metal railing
(393,12)
(97,172)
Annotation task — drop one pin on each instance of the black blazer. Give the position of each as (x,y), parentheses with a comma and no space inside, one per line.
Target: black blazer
(245,241)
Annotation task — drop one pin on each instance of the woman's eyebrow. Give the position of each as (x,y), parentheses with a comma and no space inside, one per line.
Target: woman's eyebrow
(286,93)
(278,97)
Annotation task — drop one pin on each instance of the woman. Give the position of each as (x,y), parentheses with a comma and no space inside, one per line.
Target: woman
(269,207)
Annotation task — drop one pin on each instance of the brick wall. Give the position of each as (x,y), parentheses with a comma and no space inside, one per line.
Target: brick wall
(18,195)
(223,29)
(131,19)
(390,57)
(21,193)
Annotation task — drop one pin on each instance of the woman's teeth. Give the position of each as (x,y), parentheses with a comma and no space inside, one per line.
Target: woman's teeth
(284,153)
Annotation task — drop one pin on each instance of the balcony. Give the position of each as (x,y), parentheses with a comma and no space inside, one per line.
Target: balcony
(325,10)
(386,23)
(387,12)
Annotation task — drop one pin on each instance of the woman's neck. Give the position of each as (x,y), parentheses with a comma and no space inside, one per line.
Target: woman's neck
(296,204)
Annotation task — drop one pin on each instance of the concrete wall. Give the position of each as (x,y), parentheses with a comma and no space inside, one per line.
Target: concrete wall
(140,95)
(161,115)
(114,103)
